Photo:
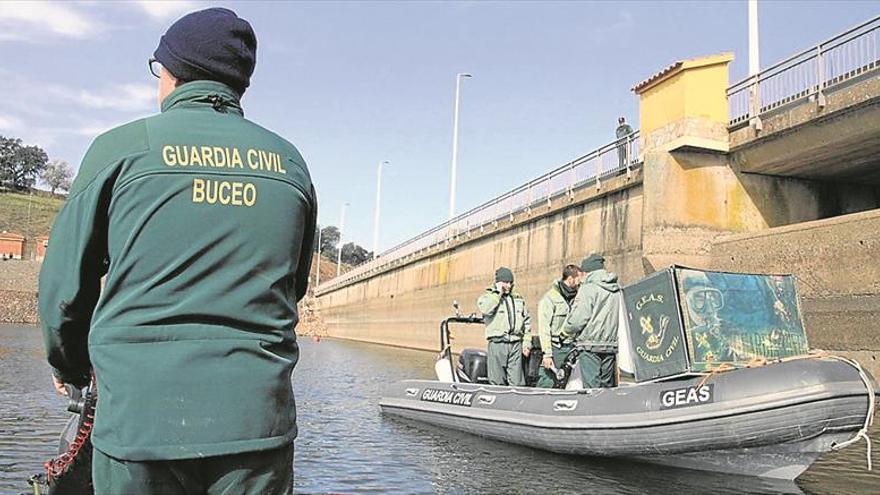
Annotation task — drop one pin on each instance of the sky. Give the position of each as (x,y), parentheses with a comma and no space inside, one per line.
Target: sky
(352,84)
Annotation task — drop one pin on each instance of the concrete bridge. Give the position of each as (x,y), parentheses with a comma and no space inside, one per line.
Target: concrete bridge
(759,176)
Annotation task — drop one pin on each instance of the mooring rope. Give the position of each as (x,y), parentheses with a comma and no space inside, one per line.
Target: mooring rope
(869,418)
(817,354)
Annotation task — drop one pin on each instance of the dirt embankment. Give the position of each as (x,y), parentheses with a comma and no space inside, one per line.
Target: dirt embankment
(310,322)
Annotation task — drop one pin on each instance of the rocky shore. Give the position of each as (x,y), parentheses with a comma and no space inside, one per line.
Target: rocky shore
(18,291)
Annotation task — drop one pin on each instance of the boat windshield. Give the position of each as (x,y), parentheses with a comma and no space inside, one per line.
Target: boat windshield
(683,319)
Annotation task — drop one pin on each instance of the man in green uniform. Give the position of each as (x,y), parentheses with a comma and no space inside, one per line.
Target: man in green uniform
(202,222)
(507,325)
(552,311)
(592,323)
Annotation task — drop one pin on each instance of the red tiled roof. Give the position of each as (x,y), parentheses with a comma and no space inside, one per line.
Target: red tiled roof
(681,65)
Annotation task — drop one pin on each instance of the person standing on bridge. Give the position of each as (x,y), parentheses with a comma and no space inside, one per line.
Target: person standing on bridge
(623,144)
(203,223)
(552,312)
(592,323)
(508,326)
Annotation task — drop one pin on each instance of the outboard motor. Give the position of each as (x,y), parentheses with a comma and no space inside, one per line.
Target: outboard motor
(472,366)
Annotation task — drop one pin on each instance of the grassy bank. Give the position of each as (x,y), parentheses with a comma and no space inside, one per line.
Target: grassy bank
(28,215)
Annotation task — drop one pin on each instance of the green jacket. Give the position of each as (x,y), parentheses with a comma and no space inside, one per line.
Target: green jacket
(552,311)
(506,317)
(203,223)
(594,316)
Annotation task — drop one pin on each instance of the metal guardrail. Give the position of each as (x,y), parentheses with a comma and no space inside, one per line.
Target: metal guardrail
(807,74)
(614,158)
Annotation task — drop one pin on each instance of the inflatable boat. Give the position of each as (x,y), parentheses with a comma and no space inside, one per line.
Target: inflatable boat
(771,416)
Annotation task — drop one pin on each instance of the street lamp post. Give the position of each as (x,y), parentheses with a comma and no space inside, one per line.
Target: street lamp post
(754,67)
(458,78)
(341,227)
(318,268)
(378,204)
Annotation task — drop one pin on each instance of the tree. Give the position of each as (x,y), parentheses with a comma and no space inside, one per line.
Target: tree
(20,166)
(354,255)
(329,241)
(8,147)
(57,175)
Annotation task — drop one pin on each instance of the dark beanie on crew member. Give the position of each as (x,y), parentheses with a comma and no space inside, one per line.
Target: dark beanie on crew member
(503,274)
(592,263)
(212,44)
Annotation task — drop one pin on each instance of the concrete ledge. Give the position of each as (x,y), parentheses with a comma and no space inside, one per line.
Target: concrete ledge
(694,144)
(825,223)
(838,142)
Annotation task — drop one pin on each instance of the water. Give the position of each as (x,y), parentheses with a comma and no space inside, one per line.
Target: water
(347,446)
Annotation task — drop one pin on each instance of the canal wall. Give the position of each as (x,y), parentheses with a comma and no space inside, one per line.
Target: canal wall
(694,202)
(404,305)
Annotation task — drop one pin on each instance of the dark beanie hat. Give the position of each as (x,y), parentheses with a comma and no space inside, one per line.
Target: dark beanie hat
(592,263)
(213,44)
(503,274)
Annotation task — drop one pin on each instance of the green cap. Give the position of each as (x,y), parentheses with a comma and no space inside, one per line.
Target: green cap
(592,263)
(503,274)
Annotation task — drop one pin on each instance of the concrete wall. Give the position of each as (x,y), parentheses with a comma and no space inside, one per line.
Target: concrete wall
(836,262)
(404,306)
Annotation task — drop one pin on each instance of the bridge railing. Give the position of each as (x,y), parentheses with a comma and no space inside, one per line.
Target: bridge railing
(615,158)
(807,74)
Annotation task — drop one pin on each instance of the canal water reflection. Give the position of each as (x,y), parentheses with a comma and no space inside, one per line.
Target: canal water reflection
(346,445)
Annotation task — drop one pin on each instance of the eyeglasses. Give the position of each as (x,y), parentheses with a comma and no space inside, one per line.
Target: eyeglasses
(155,67)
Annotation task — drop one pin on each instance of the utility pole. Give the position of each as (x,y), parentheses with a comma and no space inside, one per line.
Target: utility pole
(341,227)
(378,204)
(318,268)
(754,61)
(754,67)
(458,78)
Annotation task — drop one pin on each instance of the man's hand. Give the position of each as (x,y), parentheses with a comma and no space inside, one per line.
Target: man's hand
(503,287)
(547,362)
(59,386)
(527,351)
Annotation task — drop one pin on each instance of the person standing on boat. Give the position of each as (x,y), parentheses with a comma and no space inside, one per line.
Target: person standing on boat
(592,323)
(552,312)
(508,326)
(203,223)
